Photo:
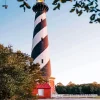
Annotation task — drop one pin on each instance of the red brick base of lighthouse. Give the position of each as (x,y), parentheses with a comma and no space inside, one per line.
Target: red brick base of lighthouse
(52,84)
(42,90)
(45,90)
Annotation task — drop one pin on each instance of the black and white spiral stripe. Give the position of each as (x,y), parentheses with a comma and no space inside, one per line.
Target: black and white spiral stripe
(40,46)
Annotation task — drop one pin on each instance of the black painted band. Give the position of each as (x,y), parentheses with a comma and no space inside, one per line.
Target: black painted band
(38,14)
(39,48)
(39,27)
(46,69)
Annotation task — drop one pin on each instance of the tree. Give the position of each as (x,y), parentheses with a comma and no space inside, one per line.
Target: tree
(70,84)
(79,89)
(61,89)
(79,6)
(59,84)
(18,74)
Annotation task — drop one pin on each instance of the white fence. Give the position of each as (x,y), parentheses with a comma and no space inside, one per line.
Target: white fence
(74,96)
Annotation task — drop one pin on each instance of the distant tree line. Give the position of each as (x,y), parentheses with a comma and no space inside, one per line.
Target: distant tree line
(71,88)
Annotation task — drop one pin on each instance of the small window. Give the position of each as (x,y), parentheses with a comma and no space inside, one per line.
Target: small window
(41,92)
(42,60)
(41,20)
(42,39)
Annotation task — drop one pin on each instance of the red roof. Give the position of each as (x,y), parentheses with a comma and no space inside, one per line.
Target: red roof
(43,86)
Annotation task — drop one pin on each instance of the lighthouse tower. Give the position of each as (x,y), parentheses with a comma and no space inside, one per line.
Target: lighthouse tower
(40,45)
(40,48)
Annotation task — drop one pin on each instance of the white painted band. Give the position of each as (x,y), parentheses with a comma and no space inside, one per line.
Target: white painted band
(45,56)
(41,34)
(38,19)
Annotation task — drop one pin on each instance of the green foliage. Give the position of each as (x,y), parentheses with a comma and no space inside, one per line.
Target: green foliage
(57,3)
(19,0)
(60,89)
(80,6)
(92,88)
(93,16)
(18,74)
(57,7)
(60,84)
(24,5)
(63,1)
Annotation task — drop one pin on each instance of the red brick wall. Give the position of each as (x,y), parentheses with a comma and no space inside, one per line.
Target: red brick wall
(35,91)
(47,93)
(52,84)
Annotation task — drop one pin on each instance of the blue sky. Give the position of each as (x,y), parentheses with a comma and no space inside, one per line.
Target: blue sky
(74,43)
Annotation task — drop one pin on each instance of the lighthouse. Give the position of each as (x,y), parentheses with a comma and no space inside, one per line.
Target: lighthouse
(40,49)
(40,45)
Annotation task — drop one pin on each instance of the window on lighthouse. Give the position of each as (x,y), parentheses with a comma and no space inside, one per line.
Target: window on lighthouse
(42,40)
(42,48)
(42,61)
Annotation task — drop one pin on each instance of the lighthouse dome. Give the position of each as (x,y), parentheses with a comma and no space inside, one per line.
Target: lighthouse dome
(40,0)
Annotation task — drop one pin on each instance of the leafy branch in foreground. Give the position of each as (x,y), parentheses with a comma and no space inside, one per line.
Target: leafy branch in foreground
(81,6)
(24,5)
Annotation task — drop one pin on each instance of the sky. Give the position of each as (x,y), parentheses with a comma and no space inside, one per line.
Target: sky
(74,43)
